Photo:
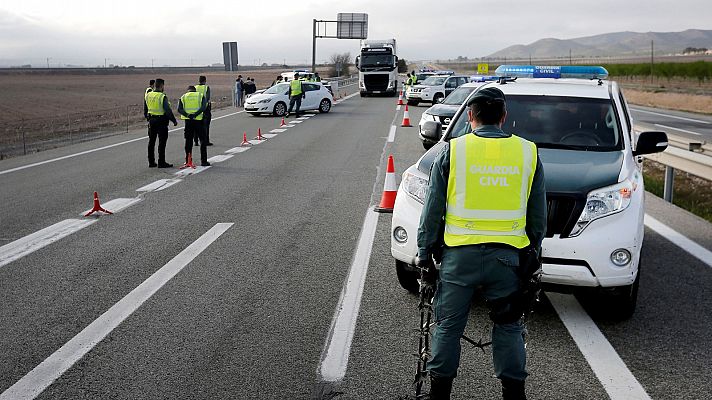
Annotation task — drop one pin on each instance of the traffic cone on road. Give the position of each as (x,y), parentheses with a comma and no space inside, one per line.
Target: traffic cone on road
(245,142)
(400,99)
(188,162)
(283,123)
(97,207)
(390,189)
(259,135)
(406,118)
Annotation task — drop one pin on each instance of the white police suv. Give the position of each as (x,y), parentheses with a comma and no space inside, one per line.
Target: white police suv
(434,88)
(584,132)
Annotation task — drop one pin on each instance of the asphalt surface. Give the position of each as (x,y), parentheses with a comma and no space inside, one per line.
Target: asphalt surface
(249,317)
(696,127)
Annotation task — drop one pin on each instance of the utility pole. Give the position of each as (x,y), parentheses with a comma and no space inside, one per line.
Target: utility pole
(48,58)
(152,63)
(105,62)
(314,47)
(652,51)
(570,60)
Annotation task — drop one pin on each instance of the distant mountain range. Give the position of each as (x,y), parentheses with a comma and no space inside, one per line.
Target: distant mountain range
(611,44)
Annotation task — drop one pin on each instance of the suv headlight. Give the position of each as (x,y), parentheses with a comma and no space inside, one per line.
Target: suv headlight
(604,202)
(415,186)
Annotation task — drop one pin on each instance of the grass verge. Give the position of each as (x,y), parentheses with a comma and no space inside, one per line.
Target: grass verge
(690,192)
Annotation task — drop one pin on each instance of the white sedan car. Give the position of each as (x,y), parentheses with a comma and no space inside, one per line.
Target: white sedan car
(275,100)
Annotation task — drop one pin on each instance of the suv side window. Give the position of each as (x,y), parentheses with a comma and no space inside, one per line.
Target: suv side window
(463,80)
(451,83)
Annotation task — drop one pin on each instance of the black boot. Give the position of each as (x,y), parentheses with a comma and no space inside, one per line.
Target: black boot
(513,389)
(440,388)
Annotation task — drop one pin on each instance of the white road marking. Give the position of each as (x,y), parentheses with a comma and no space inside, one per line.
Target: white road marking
(671,116)
(116,205)
(158,185)
(81,153)
(37,380)
(304,118)
(398,107)
(289,126)
(236,150)
(335,356)
(280,130)
(346,98)
(220,158)
(392,134)
(191,171)
(256,142)
(611,371)
(678,129)
(35,241)
(680,240)
(269,135)
(296,122)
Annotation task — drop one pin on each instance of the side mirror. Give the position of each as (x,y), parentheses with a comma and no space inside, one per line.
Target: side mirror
(651,142)
(432,130)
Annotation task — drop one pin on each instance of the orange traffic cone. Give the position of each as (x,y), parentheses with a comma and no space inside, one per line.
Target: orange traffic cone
(390,189)
(188,162)
(406,118)
(259,135)
(245,142)
(97,207)
(283,123)
(400,99)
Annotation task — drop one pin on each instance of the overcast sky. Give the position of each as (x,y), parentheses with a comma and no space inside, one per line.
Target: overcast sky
(132,32)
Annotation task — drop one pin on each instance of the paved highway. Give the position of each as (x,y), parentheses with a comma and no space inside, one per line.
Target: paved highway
(266,276)
(696,127)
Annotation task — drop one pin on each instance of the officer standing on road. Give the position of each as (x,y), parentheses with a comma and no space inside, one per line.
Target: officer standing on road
(239,92)
(191,107)
(408,81)
(296,94)
(413,78)
(277,81)
(486,202)
(317,78)
(151,86)
(157,110)
(204,89)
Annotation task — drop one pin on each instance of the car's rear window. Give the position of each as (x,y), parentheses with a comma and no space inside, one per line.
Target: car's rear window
(558,122)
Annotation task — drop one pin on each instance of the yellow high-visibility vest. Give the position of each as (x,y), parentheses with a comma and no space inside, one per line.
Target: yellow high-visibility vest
(488,189)
(202,89)
(148,89)
(191,104)
(295,87)
(154,102)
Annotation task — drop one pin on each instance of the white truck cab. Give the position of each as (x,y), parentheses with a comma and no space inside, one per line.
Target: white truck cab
(584,133)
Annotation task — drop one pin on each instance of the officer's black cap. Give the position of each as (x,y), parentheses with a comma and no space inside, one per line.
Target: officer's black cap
(487,95)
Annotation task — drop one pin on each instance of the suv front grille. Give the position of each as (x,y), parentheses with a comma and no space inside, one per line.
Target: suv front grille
(563,210)
(376,81)
(445,120)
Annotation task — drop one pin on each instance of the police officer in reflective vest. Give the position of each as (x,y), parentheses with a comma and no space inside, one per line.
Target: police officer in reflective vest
(157,110)
(296,94)
(191,107)
(203,88)
(151,85)
(486,202)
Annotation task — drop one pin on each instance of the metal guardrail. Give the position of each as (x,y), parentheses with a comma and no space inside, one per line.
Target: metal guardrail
(691,156)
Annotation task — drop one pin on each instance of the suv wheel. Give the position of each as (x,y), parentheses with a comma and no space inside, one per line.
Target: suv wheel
(622,301)
(437,98)
(407,278)
(324,106)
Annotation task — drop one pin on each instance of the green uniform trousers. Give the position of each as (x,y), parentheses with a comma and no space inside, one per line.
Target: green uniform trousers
(464,270)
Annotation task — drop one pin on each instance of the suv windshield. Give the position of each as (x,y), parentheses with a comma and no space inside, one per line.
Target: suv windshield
(572,123)
(458,96)
(277,89)
(433,81)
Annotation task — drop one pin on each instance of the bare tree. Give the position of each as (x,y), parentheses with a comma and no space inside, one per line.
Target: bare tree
(343,61)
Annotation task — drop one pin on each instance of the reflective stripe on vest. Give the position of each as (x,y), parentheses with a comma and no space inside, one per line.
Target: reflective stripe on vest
(154,102)
(191,104)
(488,189)
(295,87)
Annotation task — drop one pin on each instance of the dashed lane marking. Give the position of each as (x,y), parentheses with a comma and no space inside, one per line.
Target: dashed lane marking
(191,171)
(607,365)
(81,153)
(158,185)
(392,134)
(117,205)
(236,150)
(304,118)
(289,126)
(37,240)
(671,116)
(335,356)
(678,129)
(398,107)
(220,158)
(296,122)
(269,135)
(680,240)
(279,130)
(37,380)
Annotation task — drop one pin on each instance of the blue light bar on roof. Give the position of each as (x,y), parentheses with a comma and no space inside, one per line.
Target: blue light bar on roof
(554,71)
(483,78)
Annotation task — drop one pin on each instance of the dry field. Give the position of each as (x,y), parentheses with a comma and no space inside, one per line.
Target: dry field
(672,101)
